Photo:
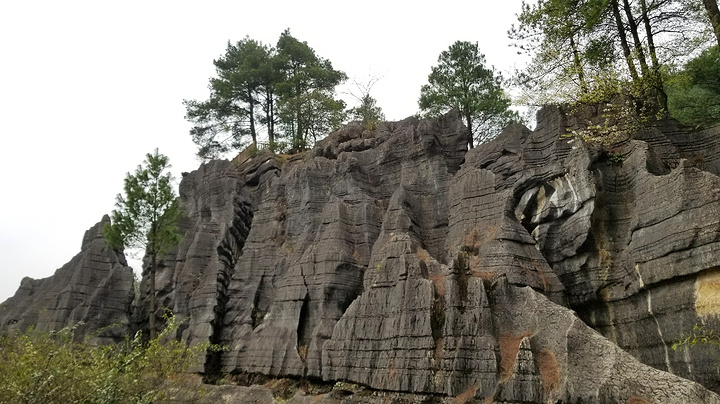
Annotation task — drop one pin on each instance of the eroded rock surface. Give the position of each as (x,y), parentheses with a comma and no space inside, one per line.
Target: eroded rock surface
(532,269)
(94,291)
(648,272)
(485,320)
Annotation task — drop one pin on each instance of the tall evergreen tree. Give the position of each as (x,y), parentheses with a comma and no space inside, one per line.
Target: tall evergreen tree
(308,107)
(263,90)
(243,86)
(146,217)
(461,81)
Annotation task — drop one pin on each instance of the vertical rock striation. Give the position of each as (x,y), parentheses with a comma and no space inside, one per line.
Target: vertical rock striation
(314,232)
(192,280)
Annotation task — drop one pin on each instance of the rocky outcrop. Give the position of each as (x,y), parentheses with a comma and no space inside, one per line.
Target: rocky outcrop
(398,260)
(535,268)
(315,232)
(192,280)
(93,292)
(648,272)
(523,211)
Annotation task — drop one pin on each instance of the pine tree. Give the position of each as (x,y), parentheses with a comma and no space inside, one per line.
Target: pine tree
(147,217)
(308,107)
(461,81)
(243,88)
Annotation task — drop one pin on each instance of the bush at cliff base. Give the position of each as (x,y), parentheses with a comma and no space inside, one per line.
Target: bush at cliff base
(47,368)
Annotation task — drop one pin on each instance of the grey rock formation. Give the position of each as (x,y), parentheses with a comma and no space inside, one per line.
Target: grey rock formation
(314,234)
(535,268)
(94,291)
(475,322)
(192,280)
(397,260)
(649,268)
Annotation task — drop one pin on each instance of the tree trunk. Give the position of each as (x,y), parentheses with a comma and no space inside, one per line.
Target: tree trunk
(578,66)
(623,40)
(298,115)
(711,6)
(298,134)
(251,114)
(153,332)
(650,36)
(468,122)
(656,76)
(271,117)
(636,38)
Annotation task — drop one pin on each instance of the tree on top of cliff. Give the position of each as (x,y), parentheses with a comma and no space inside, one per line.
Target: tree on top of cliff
(461,81)
(147,216)
(308,107)
(368,112)
(230,115)
(554,33)
(592,50)
(287,91)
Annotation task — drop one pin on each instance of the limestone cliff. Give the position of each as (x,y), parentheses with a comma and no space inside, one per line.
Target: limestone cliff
(94,292)
(535,268)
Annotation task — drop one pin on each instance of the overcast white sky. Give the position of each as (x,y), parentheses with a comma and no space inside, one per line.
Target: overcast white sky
(87,88)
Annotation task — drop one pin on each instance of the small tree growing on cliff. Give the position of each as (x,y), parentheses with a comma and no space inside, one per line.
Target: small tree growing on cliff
(461,81)
(368,112)
(147,216)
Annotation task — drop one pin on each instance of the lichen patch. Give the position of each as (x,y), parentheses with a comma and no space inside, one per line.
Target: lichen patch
(707,293)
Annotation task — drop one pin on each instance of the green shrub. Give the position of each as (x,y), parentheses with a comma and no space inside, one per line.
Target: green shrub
(48,368)
(694,92)
(698,336)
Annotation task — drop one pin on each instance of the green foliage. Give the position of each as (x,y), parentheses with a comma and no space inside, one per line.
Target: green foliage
(260,89)
(698,336)
(694,92)
(49,368)
(558,34)
(616,159)
(617,121)
(574,45)
(307,106)
(243,86)
(615,108)
(147,216)
(461,81)
(367,112)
